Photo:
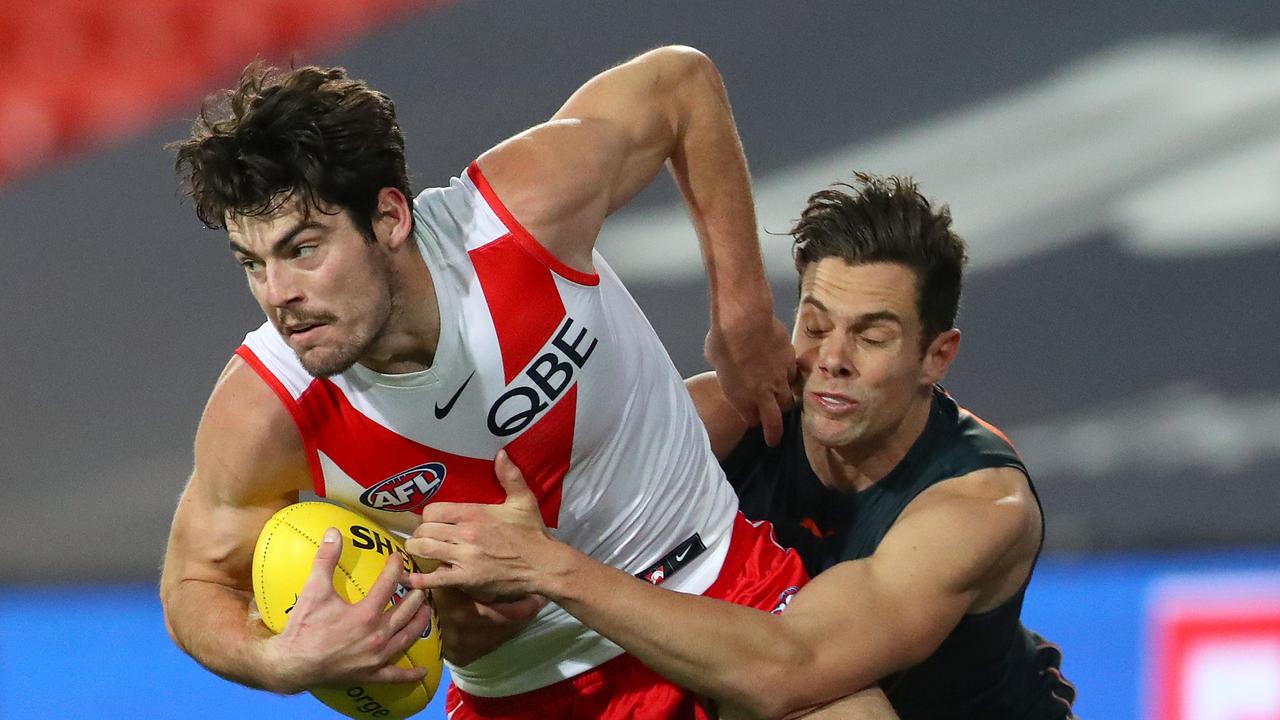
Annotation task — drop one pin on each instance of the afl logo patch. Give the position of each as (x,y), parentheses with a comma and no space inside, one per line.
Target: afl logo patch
(406,492)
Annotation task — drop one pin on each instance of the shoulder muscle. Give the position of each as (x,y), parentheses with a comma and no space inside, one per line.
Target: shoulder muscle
(985,528)
(869,617)
(249,462)
(247,444)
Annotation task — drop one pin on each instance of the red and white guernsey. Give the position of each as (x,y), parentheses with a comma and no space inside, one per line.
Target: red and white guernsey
(562,369)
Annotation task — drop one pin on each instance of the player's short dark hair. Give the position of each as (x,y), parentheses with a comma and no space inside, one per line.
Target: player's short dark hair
(311,131)
(886,219)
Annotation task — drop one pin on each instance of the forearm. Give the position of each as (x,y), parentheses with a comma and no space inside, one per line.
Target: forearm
(728,652)
(765,664)
(710,168)
(211,623)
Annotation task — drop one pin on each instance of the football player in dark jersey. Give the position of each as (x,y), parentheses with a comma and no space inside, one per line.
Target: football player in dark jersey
(918,518)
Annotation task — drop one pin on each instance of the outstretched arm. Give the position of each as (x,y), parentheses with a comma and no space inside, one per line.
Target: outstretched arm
(952,551)
(668,106)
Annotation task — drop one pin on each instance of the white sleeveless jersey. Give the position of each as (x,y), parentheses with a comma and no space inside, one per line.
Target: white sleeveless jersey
(562,369)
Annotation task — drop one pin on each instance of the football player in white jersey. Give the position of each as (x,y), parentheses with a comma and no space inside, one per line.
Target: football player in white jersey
(305,170)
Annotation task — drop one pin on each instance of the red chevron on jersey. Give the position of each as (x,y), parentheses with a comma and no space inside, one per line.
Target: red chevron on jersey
(527,310)
(371,453)
(522,298)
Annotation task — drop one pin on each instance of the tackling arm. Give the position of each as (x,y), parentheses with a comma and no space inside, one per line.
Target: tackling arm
(956,549)
(850,626)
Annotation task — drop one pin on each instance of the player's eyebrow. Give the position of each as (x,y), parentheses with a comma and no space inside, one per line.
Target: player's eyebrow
(871,318)
(811,300)
(860,321)
(278,246)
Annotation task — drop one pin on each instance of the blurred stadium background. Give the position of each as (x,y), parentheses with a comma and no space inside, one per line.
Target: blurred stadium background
(1115,168)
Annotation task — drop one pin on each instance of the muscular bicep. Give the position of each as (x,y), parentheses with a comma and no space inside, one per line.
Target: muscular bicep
(639,109)
(562,178)
(725,427)
(249,462)
(864,619)
(969,540)
(213,536)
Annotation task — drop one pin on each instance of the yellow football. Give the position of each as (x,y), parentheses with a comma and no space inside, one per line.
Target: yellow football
(282,561)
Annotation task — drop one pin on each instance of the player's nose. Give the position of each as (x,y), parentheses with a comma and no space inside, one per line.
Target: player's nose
(833,356)
(281,287)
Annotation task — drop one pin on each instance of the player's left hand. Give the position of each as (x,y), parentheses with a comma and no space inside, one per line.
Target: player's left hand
(755,363)
(493,552)
(471,629)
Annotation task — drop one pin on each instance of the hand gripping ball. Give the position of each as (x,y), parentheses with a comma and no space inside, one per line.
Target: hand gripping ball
(282,561)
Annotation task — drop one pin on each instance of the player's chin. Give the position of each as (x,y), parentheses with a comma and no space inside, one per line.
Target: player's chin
(323,362)
(829,431)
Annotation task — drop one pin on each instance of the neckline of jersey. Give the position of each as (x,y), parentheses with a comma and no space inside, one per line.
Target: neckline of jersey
(919,449)
(447,305)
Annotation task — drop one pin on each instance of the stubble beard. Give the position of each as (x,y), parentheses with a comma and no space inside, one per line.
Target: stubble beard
(327,362)
(323,362)
(820,429)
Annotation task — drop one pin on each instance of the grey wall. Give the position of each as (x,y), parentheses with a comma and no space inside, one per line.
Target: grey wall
(119,310)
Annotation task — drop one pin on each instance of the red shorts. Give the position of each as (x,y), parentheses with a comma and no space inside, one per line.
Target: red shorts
(756,573)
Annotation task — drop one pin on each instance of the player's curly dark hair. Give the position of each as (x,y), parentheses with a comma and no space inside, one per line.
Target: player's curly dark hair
(310,131)
(886,219)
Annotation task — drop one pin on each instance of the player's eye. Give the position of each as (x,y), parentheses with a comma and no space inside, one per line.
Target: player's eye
(250,265)
(302,251)
(875,339)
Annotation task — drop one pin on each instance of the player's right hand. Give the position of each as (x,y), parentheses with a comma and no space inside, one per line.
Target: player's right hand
(755,363)
(327,640)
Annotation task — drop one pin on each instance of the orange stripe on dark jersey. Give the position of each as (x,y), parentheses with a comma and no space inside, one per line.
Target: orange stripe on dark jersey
(993,429)
(812,527)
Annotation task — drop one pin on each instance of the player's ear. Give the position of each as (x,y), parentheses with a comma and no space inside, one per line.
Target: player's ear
(939,355)
(392,218)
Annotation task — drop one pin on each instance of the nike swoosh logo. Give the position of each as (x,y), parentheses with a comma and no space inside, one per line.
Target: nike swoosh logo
(680,555)
(442,411)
